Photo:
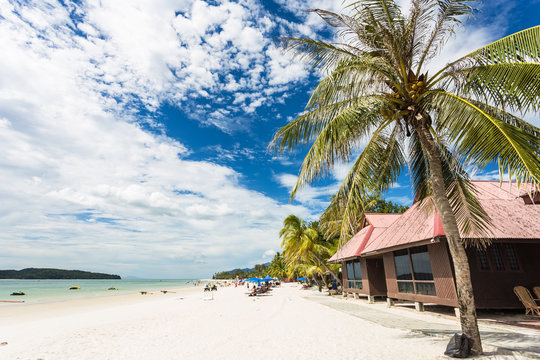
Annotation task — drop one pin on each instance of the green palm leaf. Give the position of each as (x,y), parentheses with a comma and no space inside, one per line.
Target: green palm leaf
(481,137)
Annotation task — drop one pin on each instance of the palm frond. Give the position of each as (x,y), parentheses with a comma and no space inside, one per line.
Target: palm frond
(354,77)
(513,86)
(316,53)
(335,141)
(375,169)
(523,46)
(450,14)
(481,136)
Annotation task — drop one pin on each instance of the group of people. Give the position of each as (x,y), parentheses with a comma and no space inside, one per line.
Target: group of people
(209,287)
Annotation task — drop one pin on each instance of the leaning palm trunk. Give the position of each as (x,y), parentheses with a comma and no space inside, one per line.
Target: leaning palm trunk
(334,275)
(467,308)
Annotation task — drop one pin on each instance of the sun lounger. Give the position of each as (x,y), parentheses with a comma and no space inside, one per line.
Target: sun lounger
(536,291)
(531,306)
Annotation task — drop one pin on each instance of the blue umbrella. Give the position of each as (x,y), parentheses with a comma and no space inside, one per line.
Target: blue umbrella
(252,279)
(268,278)
(302,279)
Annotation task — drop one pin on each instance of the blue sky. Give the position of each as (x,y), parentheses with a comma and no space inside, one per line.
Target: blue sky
(134,133)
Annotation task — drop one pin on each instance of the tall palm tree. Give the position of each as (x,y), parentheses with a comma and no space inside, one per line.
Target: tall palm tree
(300,244)
(377,88)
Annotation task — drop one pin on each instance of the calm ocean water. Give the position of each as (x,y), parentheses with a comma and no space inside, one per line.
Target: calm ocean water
(43,291)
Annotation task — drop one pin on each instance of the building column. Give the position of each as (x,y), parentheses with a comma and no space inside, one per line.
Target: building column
(456,310)
(371,299)
(419,306)
(389,302)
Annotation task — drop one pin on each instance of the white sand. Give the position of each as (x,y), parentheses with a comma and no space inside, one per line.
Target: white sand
(182,325)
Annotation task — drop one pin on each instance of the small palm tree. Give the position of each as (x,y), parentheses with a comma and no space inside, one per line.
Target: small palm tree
(377,88)
(277,267)
(300,244)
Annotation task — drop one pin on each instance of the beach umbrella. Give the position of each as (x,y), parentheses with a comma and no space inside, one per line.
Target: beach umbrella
(268,278)
(302,279)
(252,279)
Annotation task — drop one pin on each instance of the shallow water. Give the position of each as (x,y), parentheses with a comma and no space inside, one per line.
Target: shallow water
(44,291)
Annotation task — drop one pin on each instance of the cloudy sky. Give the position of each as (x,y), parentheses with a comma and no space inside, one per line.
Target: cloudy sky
(133,133)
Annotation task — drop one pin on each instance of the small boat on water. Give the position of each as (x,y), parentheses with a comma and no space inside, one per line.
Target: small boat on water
(74,288)
(17,293)
(112,288)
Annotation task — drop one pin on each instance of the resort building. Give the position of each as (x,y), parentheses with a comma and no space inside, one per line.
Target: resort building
(406,256)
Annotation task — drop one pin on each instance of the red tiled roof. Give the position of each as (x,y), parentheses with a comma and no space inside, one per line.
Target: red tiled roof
(511,219)
(377,224)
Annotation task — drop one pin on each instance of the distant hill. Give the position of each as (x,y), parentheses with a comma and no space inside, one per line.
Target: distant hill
(44,273)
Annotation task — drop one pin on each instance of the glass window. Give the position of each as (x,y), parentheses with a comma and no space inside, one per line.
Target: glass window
(497,256)
(414,264)
(354,275)
(350,271)
(511,256)
(403,265)
(405,287)
(483,260)
(357,271)
(425,288)
(421,263)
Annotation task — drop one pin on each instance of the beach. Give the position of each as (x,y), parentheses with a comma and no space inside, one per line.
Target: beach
(186,324)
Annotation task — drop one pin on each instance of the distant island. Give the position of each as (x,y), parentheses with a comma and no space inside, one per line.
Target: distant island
(44,273)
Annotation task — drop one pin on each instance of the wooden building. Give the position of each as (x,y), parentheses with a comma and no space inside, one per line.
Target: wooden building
(410,252)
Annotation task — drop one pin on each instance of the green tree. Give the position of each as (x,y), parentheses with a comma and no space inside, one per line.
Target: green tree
(300,244)
(377,88)
(277,267)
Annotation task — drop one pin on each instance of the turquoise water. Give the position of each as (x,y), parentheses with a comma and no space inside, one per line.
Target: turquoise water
(43,291)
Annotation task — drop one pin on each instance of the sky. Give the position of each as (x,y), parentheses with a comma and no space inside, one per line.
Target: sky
(134,133)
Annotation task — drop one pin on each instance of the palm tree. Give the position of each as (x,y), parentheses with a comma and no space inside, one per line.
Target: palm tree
(300,244)
(377,88)
(277,267)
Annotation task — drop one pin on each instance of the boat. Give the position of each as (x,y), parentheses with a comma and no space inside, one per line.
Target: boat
(112,288)
(74,288)
(18,293)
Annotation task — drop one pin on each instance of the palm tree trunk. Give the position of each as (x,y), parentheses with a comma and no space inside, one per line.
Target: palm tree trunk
(325,266)
(467,308)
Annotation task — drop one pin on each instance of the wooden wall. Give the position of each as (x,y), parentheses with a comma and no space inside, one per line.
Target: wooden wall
(495,289)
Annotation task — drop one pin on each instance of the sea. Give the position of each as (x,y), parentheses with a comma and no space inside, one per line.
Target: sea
(46,291)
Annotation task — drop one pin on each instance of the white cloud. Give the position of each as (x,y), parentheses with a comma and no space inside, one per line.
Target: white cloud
(84,185)
(313,197)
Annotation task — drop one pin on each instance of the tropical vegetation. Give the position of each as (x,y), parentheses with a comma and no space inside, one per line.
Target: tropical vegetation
(48,273)
(377,98)
(302,245)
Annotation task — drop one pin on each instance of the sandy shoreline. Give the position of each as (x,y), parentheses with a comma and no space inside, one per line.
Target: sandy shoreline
(178,325)
(287,324)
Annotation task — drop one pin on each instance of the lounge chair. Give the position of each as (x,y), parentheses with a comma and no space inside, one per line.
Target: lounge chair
(536,291)
(531,306)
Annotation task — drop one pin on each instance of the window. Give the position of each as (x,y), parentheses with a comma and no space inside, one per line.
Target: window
(413,271)
(421,263)
(403,265)
(483,260)
(496,254)
(498,257)
(354,275)
(511,256)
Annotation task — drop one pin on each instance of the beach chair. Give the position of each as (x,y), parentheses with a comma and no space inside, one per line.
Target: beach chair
(531,306)
(536,291)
